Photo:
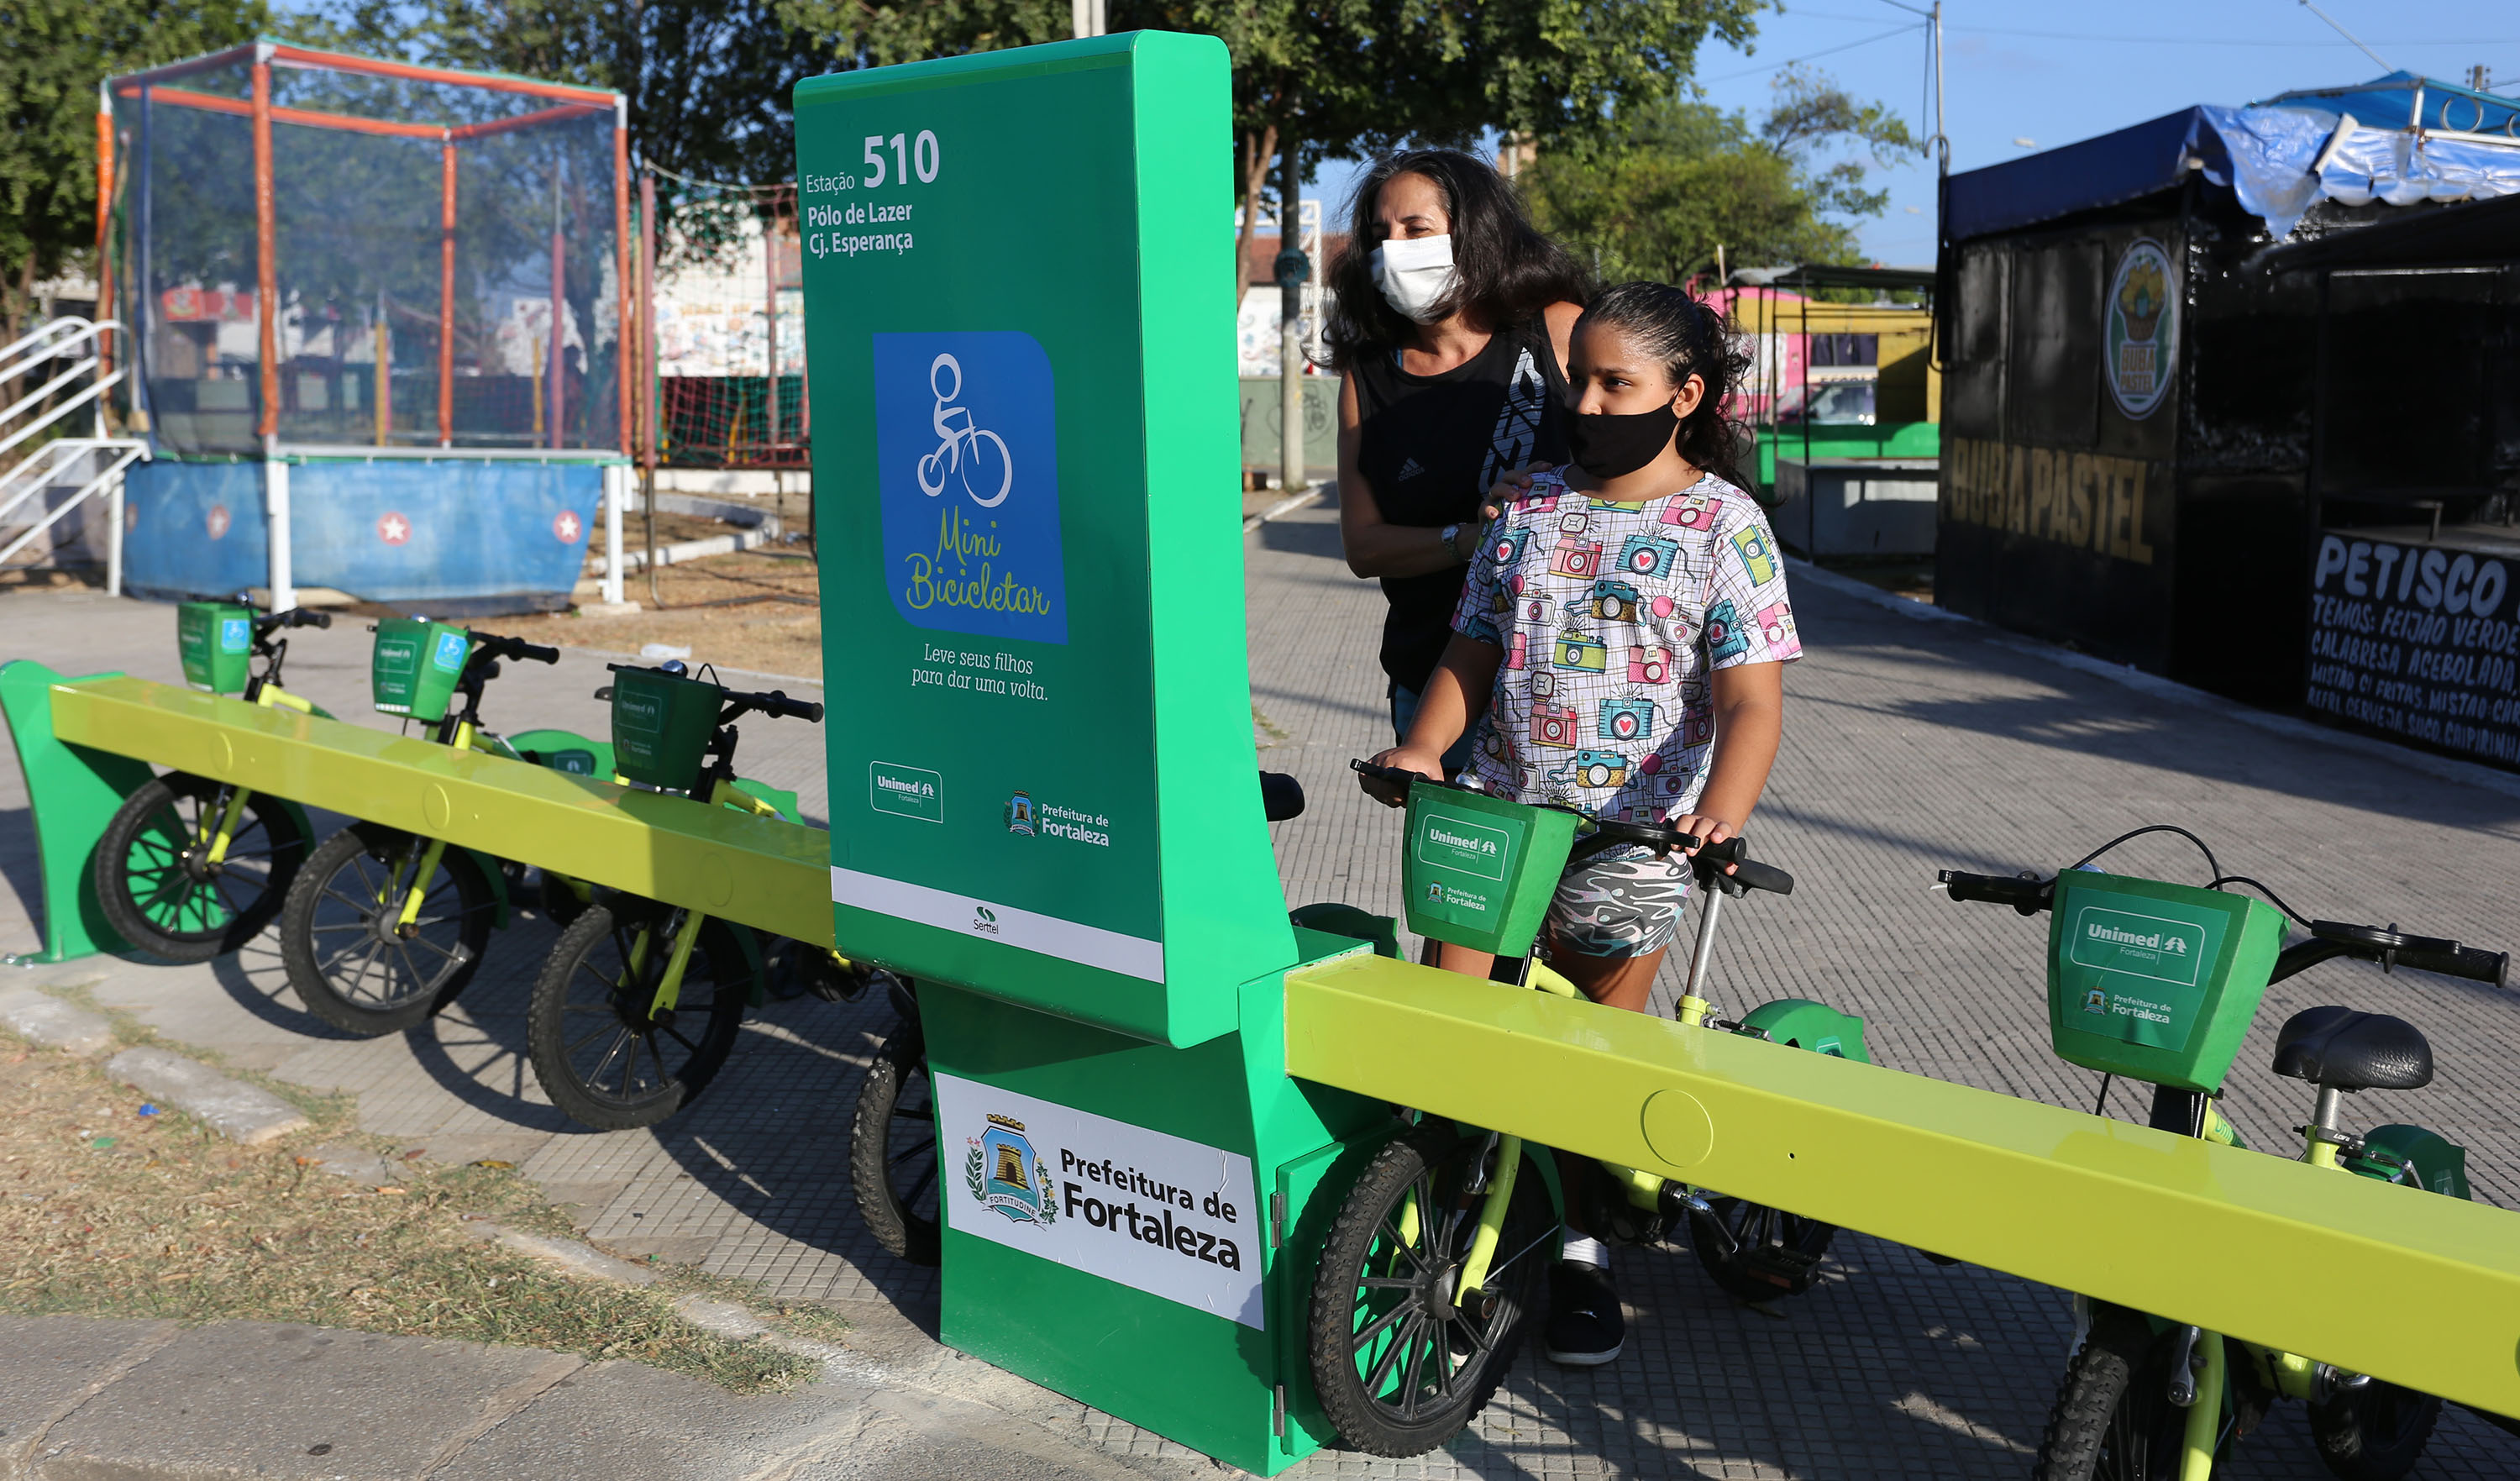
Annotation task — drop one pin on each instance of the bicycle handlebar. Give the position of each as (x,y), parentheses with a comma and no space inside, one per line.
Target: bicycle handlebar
(492,646)
(2027,897)
(775,704)
(2430,954)
(1746,872)
(297,616)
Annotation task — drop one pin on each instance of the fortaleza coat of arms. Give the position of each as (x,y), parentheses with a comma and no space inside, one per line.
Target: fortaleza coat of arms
(1005,1174)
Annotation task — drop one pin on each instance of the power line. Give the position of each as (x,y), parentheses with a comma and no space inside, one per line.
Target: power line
(1814,56)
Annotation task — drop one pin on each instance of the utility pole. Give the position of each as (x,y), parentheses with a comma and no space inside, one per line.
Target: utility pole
(1088,18)
(1941,136)
(1292,269)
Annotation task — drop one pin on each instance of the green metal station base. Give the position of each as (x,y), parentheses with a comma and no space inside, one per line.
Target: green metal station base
(1230,1123)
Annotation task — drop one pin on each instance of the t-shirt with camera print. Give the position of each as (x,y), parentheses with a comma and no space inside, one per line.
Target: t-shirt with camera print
(1611,617)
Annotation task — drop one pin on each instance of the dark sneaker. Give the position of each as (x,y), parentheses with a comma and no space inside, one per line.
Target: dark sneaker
(1585,1326)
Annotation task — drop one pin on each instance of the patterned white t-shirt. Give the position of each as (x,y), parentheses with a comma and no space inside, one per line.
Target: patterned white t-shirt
(1611,617)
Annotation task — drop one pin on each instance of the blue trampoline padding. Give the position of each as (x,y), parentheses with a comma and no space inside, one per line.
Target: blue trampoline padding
(392,533)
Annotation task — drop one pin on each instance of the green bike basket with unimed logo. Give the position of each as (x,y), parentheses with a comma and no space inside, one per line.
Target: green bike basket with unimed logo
(661,724)
(1480,871)
(2156,982)
(215,640)
(415,665)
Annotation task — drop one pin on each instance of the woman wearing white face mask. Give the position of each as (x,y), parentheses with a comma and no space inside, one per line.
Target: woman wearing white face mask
(1449,328)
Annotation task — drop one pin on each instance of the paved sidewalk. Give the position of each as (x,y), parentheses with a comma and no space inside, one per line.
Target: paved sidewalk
(1910,744)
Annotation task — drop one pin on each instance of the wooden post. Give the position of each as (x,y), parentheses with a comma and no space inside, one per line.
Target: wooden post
(446,294)
(266,270)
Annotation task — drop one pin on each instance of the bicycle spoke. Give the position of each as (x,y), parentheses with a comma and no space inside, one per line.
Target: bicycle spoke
(366,911)
(1391,1355)
(677,1035)
(927,1176)
(600,1031)
(1409,1370)
(1362,1338)
(595,1077)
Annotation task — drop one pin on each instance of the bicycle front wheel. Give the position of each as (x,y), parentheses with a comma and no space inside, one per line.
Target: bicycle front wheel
(2113,1419)
(351,958)
(1401,1367)
(608,1056)
(893,1160)
(157,887)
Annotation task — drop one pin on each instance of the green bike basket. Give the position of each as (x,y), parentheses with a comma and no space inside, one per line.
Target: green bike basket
(216,639)
(2156,982)
(661,724)
(414,668)
(1480,869)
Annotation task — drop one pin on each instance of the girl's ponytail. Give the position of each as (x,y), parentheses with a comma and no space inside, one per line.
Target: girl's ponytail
(1690,338)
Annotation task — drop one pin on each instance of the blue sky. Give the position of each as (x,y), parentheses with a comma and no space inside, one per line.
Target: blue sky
(2053,72)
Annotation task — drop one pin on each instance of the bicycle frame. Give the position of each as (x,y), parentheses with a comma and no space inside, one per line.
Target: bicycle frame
(1643,1189)
(265,691)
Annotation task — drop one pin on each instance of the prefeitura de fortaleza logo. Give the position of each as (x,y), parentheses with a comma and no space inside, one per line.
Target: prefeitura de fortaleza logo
(1004,1174)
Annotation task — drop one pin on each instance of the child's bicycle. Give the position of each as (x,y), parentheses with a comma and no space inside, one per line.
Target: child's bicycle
(639,1002)
(191,869)
(384,928)
(1429,1269)
(2158,982)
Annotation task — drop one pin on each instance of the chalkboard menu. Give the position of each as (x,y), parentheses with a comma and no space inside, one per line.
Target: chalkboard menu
(2418,641)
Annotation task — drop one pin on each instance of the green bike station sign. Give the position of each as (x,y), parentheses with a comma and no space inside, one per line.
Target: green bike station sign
(1021,332)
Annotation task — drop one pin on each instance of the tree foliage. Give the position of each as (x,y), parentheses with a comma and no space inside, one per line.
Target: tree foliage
(1672,180)
(53,54)
(1346,79)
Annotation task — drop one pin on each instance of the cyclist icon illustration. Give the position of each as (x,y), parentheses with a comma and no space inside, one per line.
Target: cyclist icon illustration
(960,452)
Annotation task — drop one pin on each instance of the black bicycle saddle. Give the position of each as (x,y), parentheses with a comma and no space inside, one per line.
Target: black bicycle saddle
(2347,1050)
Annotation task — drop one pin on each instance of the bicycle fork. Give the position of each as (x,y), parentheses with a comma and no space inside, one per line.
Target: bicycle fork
(223,835)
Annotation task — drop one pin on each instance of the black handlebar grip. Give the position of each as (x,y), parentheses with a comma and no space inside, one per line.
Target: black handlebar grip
(1282,796)
(300,617)
(1746,872)
(776,702)
(539,653)
(2471,963)
(2027,897)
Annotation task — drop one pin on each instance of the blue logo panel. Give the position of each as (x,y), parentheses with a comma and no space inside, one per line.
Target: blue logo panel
(967,459)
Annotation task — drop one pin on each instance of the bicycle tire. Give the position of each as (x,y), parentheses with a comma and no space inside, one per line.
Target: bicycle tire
(893,1135)
(2113,1419)
(336,932)
(585,977)
(1371,1388)
(156,899)
(2373,1432)
(1773,1253)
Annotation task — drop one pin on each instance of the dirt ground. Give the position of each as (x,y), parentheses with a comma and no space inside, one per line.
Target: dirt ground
(759,611)
(112,1206)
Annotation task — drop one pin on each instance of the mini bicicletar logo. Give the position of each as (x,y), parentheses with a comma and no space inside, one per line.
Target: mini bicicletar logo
(1004,1174)
(966,460)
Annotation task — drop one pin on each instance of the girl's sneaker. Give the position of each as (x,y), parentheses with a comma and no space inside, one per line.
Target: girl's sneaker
(1586,1327)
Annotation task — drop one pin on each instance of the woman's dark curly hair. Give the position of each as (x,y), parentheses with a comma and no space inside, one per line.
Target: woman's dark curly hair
(1688,336)
(1506,270)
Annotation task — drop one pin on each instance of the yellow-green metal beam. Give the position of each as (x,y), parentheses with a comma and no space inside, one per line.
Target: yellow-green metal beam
(767,873)
(2410,1286)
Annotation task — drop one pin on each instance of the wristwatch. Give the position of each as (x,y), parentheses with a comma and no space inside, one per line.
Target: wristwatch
(1452,543)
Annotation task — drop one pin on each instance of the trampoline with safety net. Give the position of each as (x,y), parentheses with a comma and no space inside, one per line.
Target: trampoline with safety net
(378,312)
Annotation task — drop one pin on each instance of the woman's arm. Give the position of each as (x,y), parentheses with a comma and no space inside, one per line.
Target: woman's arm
(1750,700)
(1456,693)
(1374,548)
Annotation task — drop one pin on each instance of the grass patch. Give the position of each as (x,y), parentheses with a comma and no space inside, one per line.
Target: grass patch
(107,1212)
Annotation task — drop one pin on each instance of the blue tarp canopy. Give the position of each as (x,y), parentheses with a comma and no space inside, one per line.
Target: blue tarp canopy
(2277,159)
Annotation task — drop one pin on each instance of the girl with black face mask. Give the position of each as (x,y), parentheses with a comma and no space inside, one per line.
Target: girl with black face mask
(1623,632)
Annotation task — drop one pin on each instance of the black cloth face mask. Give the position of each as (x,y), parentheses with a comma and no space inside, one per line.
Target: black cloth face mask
(1610,445)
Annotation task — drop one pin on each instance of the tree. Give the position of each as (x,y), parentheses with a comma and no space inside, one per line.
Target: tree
(53,54)
(1673,180)
(1344,78)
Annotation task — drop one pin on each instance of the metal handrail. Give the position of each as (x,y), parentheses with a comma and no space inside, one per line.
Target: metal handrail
(47,343)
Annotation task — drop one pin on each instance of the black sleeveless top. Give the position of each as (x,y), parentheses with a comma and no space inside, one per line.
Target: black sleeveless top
(1431,445)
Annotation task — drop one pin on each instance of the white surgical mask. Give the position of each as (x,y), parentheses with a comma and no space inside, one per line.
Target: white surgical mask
(1414,272)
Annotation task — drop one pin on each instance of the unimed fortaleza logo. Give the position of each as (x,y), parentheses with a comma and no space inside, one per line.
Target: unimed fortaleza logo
(967,459)
(1465,847)
(2138,945)
(905,791)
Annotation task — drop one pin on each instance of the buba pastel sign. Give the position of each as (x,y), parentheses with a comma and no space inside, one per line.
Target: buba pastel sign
(967,453)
